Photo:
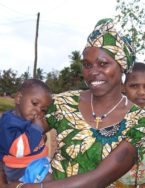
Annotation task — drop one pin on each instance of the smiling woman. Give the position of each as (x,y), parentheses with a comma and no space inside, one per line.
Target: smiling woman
(93,124)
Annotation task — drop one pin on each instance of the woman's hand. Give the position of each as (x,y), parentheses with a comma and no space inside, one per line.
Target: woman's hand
(10,185)
(3,179)
(113,167)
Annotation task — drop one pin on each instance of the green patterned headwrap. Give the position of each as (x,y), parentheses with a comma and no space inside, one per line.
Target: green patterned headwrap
(106,37)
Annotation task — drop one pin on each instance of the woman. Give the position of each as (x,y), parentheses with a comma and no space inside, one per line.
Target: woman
(91,124)
(99,131)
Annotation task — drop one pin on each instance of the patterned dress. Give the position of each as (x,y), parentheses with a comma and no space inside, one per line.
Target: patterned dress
(80,147)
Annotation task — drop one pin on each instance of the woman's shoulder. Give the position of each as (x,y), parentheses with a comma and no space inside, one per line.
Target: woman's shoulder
(137,111)
(67,93)
(135,121)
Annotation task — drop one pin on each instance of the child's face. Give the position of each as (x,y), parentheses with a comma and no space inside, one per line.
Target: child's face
(33,103)
(135,88)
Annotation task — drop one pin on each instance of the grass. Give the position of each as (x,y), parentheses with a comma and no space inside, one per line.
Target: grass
(6,103)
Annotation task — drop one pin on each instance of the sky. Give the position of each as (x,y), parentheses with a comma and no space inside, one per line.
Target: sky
(63,27)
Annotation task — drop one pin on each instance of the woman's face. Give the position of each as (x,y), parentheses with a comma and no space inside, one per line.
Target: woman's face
(100,71)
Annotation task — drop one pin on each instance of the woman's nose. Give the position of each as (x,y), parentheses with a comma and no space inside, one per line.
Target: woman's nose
(95,70)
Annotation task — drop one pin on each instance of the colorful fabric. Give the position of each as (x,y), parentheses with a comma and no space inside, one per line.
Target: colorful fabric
(81,148)
(106,37)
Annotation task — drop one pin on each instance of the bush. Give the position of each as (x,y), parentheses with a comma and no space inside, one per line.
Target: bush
(6,103)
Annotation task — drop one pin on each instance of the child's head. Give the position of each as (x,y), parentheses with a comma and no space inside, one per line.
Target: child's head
(32,99)
(135,84)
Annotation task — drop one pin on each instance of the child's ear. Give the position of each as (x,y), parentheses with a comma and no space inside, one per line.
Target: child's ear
(18,97)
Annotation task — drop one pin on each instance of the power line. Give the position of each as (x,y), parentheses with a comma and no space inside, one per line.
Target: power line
(12,10)
(16,21)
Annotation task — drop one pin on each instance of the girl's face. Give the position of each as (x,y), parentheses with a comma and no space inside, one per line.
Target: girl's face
(33,103)
(101,72)
(135,88)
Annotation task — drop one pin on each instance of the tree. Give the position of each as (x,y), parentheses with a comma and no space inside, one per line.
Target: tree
(39,74)
(69,78)
(52,80)
(26,75)
(76,70)
(131,17)
(75,64)
(9,82)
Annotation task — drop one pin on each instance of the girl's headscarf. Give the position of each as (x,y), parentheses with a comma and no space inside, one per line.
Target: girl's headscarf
(106,37)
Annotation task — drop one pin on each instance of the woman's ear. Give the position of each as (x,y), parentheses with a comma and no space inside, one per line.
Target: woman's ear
(18,97)
(123,89)
(123,78)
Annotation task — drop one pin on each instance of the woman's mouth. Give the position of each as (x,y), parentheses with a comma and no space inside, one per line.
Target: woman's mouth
(97,83)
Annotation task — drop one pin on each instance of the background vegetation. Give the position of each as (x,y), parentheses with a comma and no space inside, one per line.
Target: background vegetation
(6,104)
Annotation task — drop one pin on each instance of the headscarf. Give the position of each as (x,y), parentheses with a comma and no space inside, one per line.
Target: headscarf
(106,37)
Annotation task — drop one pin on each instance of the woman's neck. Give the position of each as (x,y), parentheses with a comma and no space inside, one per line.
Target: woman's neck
(106,100)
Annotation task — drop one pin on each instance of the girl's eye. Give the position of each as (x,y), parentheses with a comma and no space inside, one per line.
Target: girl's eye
(133,85)
(34,103)
(44,110)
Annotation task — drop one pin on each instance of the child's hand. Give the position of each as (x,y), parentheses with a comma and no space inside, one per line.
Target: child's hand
(45,138)
(41,121)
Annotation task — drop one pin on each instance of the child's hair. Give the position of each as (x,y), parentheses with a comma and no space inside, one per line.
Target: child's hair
(137,67)
(31,83)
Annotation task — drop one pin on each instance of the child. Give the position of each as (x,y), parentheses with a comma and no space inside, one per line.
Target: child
(134,89)
(135,85)
(22,133)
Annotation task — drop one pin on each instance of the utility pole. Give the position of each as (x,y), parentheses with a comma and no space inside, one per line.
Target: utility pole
(36,46)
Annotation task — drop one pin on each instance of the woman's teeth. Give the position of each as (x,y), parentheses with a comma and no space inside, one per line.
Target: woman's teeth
(96,83)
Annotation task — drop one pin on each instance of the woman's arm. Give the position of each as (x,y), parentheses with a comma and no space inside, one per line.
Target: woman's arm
(110,169)
(3,179)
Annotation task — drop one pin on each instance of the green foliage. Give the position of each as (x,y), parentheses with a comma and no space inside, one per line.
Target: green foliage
(26,75)
(131,17)
(9,82)
(52,80)
(40,74)
(6,104)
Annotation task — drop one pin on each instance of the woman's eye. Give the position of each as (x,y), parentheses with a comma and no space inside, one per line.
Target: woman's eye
(87,65)
(103,63)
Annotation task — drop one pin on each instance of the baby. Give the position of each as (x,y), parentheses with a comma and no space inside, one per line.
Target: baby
(22,134)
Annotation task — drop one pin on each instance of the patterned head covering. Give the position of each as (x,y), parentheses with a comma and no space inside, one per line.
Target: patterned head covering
(106,37)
